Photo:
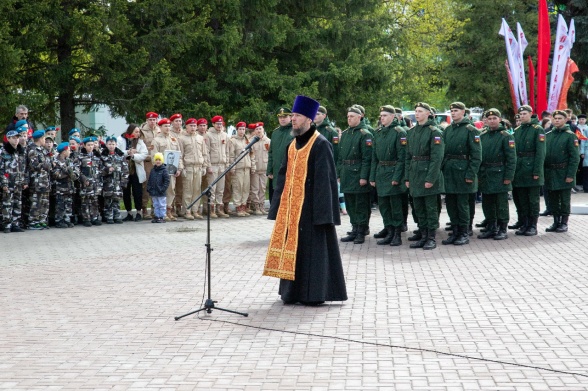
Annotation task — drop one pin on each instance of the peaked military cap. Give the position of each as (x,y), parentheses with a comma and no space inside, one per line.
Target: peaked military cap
(525,108)
(388,109)
(457,105)
(322,109)
(283,112)
(354,109)
(490,112)
(423,105)
(560,112)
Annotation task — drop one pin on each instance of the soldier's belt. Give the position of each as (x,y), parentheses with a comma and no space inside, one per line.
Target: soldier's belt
(559,165)
(494,164)
(526,154)
(349,162)
(457,157)
(387,163)
(421,158)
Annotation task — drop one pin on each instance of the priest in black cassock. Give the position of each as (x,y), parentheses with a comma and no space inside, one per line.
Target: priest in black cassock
(304,250)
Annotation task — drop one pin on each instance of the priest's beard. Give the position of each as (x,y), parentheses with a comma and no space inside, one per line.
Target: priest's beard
(299,131)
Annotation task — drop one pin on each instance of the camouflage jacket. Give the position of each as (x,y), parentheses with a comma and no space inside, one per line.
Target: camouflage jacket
(90,173)
(113,181)
(39,166)
(12,166)
(65,173)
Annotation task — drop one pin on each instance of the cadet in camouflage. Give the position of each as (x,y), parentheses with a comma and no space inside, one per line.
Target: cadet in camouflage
(12,177)
(65,173)
(115,176)
(39,165)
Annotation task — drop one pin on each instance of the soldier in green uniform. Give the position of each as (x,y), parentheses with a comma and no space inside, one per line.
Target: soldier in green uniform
(353,171)
(365,122)
(463,155)
(423,175)
(561,161)
(496,175)
(280,139)
(530,142)
(324,127)
(387,172)
(401,122)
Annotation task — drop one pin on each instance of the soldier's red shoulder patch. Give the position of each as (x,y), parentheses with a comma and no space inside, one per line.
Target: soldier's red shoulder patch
(541,137)
(403,141)
(511,143)
(476,139)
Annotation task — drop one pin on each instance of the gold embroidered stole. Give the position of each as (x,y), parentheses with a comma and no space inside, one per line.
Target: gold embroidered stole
(281,255)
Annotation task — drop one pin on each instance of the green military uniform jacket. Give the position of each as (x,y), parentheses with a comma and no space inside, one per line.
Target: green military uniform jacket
(280,141)
(424,156)
(331,135)
(354,160)
(530,146)
(562,158)
(388,159)
(499,160)
(463,155)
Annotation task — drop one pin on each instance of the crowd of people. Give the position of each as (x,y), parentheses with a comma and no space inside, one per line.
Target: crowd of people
(84,179)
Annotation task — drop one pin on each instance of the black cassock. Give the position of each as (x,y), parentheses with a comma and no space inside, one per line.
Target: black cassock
(319,271)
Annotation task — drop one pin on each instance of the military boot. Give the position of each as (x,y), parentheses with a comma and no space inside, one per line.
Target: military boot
(431,243)
(501,235)
(563,226)
(524,220)
(423,233)
(248,208)
(532,226)
(418,235)
(220,212)
(256,209)
(361,232)
(518,224)
(388,238)
(491,231)
(452,236)
(382,234)
(397,238)
(350,235)
(471,228)
(462,236)
(481,224)
(553,227)
(262,208)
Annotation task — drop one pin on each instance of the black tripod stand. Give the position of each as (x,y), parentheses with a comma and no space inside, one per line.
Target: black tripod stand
(209,303)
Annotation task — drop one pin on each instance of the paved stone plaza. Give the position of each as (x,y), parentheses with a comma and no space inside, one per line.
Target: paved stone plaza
(93,308)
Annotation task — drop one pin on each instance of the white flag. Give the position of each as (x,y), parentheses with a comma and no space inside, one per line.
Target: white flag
(561,53)
(522,41)
(512,53)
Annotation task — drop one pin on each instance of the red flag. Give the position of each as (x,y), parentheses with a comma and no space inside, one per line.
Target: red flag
(513,95)
(543,50)
(580,135)
(571,68)
(531,82)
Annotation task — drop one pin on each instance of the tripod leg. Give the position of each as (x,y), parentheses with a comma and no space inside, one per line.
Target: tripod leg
(245,314)
(190,313)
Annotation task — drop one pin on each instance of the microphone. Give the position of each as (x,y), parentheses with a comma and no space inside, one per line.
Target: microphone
(253,141)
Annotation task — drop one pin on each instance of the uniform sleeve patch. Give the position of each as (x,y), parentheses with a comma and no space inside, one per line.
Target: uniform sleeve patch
(476,138)
(541,137)
(368,142)
(335,139)
(437,139)
(403,141)
(576,142)
(511,143)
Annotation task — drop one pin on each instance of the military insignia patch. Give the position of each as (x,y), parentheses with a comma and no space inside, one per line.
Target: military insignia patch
(368,142)
(477,139)
(437,140)
(403,140)
(335,140)
(576,143)
(541,137)
(511,143)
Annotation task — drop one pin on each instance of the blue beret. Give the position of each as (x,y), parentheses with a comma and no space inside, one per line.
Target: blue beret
(21,129)
(62,146)
(74,130)
(50,128)
(89,138)
(76,139)
(305,106)
(20,123)
(12,133)
(110,138)
(38,134)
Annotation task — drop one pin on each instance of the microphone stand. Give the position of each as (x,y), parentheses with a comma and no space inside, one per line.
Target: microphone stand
(209,303)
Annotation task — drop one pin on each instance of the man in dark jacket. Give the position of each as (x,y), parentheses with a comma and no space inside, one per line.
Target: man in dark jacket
(303,250)
(22,113)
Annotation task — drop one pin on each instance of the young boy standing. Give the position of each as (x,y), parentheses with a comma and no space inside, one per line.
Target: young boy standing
(65,173)
(39,165)
(12,179)
(115,175)
(89,182)
(157,188)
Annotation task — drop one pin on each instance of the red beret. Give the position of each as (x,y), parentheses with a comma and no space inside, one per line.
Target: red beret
(202,121)
(257,125)
(191,121)
(164,121)
(175,116)
(152,114)
(217,118)
(241,124)
(252,126)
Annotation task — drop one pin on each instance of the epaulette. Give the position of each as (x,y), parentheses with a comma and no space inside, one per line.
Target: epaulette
(332,129)
(517,128)
(570,132)
(484,131)
(364,131)
(399,129)
(471,127)
(537,126)
(504,133)
(433,128)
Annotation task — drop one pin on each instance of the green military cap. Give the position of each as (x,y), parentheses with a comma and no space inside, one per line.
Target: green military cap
(360,107)
(388,108)
(490,112)
(398,111)
(283,112)
(433,110)
(525,108)
(560,112)
(517,116)
(322,109)
(354,109)
(468,111)
(457,105)
(423,105)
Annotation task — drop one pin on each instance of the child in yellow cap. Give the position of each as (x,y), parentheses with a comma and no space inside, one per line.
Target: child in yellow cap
(157,187)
